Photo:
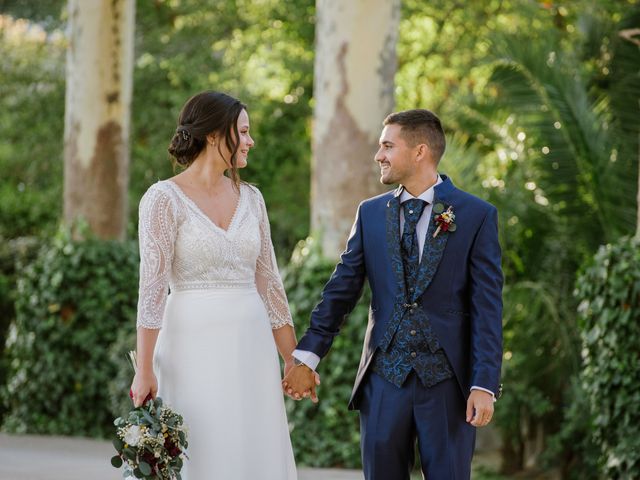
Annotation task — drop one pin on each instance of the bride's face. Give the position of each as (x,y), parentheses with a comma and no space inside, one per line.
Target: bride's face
(245,142)
(241,135)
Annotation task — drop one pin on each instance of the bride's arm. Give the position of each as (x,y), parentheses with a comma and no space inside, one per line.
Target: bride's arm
(144,382)
(270,288)
(285,338)
(157,232)
(268,281)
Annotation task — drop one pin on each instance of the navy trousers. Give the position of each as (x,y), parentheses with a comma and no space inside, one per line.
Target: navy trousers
(392,419)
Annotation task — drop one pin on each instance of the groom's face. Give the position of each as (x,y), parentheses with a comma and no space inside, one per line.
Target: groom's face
(394,156)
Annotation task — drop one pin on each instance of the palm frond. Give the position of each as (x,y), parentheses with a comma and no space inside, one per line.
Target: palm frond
(548,94)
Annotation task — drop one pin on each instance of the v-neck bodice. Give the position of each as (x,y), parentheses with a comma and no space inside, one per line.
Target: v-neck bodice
(182,248)
(198,210)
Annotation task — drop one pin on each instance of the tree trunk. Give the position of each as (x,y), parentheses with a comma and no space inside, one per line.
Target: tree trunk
(98,98)
(353,92)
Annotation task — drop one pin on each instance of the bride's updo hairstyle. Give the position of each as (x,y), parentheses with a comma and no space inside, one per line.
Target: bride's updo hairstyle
(207,113)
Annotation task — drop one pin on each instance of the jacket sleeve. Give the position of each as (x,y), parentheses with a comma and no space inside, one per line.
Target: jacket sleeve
(486,305)
(339,296)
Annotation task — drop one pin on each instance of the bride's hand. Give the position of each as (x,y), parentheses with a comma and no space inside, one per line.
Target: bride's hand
(144,385)
(288,365)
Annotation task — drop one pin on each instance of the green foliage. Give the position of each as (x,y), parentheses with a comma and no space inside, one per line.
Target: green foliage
(260,52)
(534,372)
(47,13)
(150,441)
(552,143)
(119,402)
(326,434)
(499,73)
(609,295)
(31,121)
(484,473)
(580,461)
(580,170)
(14,254)
(71,303)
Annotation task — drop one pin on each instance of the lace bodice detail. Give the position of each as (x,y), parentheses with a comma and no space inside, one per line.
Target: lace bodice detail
(182,249)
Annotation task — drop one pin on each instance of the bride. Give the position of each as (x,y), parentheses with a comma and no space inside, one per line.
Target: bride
(205,237)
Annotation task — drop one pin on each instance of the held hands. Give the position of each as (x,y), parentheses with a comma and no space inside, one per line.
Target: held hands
(300,382)
(481,403)
(144,386)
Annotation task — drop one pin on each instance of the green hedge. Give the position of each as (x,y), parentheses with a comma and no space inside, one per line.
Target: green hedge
(609,295)
(326,434)
(13,255)
(118,389)
(71,303)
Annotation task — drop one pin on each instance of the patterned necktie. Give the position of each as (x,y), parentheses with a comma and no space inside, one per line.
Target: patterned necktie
(410,250)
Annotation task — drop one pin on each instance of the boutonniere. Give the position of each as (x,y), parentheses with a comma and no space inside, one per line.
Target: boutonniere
(444,219)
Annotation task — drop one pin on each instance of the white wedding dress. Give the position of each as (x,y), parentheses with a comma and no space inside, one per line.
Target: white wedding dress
(216,358)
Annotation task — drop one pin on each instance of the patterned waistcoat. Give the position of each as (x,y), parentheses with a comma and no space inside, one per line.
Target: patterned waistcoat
(410,342)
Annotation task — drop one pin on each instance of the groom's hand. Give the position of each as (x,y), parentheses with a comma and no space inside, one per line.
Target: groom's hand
(479,408)
(301,382)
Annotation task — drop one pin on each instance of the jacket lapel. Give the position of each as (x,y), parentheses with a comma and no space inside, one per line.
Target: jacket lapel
(433,247)
(393,239)
(393,245)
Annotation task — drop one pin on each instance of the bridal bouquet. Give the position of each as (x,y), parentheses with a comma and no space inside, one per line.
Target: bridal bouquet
(151,441)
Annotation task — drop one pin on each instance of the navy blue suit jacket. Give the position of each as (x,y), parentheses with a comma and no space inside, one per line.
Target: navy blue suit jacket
(461,283)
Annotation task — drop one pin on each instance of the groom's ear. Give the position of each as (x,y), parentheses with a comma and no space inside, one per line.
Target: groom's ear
(422,152)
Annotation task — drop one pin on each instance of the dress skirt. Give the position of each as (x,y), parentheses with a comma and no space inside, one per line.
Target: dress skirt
(217,365)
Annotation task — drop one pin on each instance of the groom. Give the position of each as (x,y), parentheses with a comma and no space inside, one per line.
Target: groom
(430,366)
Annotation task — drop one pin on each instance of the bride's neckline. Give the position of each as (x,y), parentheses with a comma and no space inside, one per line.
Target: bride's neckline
(199,210)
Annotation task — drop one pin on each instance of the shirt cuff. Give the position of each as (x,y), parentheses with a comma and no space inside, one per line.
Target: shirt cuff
(484,390)
(310,359)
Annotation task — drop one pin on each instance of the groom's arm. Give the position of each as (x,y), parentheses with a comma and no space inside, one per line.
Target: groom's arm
(338,299)
(486,306)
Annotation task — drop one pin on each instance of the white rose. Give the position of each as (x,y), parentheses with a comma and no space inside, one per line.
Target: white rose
(133,435)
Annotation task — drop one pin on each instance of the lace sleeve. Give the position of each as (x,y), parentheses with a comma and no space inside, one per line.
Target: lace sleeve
(268,279)
(157,233)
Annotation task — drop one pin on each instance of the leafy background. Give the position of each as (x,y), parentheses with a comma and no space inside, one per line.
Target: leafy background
(540,104)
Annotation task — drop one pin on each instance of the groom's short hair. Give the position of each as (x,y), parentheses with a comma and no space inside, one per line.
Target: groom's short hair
(420,126)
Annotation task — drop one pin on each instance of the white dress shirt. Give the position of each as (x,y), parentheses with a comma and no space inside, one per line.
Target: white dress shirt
(311,359)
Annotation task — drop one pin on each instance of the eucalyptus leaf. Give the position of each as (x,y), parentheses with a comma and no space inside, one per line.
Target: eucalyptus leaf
(145,468)
(129,453)
(152,420)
